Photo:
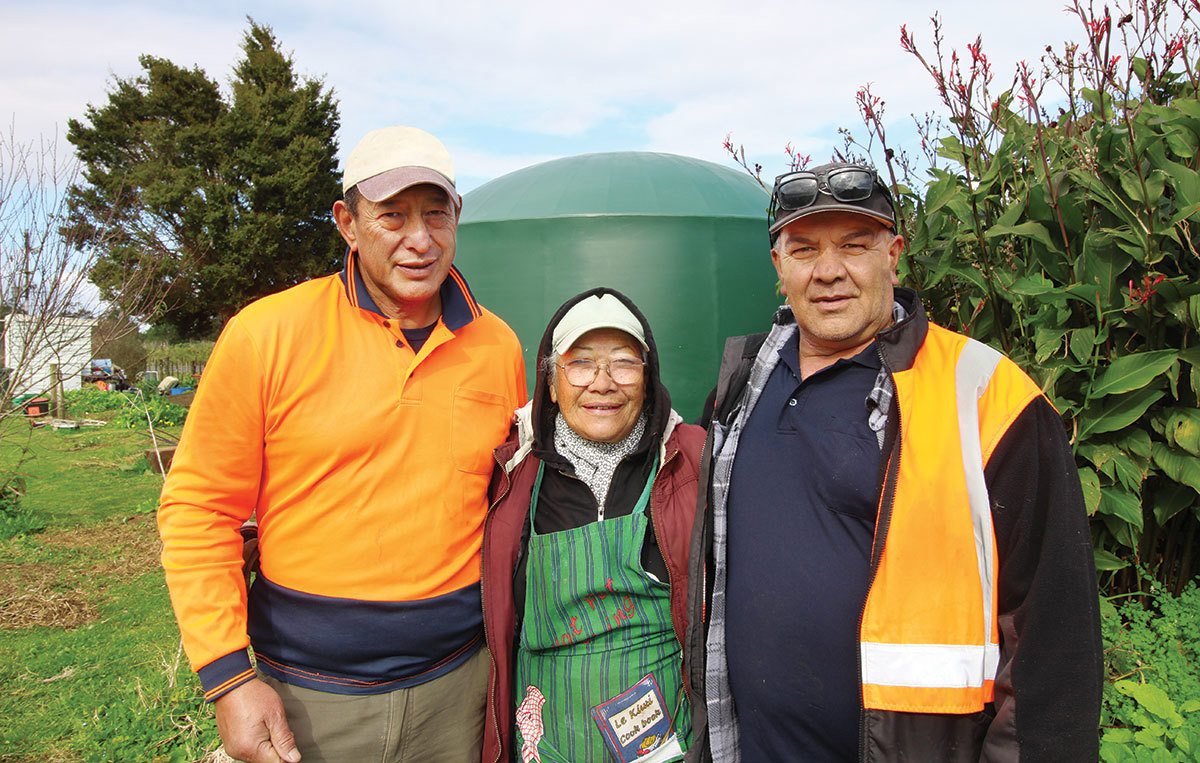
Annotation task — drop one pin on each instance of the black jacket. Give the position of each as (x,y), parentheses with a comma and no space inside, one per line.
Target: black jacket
(1050,676)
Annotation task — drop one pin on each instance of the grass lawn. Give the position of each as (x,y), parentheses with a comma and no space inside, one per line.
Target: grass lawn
(90,665)
(90,662)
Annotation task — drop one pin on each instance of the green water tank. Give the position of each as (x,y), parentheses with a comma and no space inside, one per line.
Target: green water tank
(685,239)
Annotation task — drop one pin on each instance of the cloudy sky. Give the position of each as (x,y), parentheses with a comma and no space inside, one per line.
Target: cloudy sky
(506,85)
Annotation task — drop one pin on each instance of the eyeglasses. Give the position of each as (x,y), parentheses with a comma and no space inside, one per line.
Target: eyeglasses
(797,190)
(582,372)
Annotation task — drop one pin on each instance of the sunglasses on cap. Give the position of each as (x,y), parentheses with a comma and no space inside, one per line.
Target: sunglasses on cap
(800,189)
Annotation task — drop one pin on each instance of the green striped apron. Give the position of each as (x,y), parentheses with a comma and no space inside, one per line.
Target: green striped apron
(595,626)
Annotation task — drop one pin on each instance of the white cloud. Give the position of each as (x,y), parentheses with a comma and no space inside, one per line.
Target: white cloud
(512,83)
(59,59)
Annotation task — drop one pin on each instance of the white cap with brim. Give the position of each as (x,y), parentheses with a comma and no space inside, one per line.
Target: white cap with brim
(388,160)
(599,311)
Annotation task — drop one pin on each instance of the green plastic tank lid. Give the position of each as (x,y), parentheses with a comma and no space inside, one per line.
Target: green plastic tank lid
(685,239)
(618,183)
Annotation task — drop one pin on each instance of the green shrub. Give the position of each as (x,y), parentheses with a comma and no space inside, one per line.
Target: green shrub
(87,402)
(162,413)
(1059,221)
(1151,708)
(1055,215)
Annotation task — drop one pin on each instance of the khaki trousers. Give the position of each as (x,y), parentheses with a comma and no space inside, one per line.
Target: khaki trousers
(441,720)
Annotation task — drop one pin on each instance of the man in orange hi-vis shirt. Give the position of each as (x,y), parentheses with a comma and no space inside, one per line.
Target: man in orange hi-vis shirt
(355,416)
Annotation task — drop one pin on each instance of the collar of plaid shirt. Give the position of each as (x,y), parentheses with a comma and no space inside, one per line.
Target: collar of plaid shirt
(879,400)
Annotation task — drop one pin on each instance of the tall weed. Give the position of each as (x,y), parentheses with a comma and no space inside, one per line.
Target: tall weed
(16,518)
(1151,709)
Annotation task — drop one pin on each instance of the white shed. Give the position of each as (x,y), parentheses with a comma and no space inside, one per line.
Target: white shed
(32,345)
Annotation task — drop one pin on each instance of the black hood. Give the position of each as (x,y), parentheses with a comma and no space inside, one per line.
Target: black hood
(658,402)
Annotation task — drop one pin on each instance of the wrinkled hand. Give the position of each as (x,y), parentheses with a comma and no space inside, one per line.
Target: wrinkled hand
(253,727)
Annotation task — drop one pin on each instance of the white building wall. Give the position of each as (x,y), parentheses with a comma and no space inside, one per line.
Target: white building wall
(32,344)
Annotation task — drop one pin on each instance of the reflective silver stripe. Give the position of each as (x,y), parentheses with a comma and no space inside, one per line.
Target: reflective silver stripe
(929,666)
(976,364)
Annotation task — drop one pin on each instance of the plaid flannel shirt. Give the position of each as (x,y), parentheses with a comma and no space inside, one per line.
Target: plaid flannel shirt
(722,716)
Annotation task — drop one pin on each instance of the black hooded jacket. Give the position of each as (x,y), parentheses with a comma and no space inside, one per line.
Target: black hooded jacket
(506,531)
(564,501)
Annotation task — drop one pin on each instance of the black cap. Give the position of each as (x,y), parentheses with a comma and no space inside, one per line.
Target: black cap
(877,206)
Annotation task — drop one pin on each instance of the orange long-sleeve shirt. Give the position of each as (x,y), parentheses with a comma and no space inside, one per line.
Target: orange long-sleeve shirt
(367,465)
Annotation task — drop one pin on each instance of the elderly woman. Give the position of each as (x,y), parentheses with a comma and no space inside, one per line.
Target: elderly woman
(585,550)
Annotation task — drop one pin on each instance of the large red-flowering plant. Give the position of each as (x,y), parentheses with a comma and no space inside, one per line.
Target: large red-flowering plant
(1057,218)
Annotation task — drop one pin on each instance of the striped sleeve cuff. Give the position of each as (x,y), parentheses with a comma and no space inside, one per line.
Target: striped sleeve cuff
(226,674)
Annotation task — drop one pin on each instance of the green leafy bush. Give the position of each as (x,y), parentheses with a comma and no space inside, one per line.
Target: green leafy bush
(1057,218)
(1059,221)
(1151,708)
(162,413)
(87,402)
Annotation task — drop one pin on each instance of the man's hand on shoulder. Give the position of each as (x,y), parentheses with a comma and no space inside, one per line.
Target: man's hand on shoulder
(253,727)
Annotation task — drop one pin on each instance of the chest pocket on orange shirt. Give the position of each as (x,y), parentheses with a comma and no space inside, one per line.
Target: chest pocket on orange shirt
(479,423)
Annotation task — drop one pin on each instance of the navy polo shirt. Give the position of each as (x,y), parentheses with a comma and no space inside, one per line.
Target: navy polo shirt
(801,515)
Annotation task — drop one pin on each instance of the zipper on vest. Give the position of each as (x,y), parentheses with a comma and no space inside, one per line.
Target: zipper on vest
(887,498)
(483,565)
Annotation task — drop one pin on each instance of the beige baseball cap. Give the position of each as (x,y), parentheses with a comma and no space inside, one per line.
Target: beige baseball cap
(603,311)
(390,159)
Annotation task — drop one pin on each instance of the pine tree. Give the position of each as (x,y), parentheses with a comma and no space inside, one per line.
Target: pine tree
(231,197)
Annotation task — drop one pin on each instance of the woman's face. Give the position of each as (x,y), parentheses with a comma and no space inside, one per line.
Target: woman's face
(602,411)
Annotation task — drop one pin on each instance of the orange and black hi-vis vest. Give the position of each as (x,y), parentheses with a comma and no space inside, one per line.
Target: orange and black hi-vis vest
(929,640)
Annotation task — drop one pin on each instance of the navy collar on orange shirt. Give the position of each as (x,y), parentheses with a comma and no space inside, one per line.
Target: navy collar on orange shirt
(458,304)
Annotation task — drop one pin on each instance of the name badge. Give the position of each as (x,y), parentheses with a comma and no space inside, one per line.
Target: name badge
(636,726)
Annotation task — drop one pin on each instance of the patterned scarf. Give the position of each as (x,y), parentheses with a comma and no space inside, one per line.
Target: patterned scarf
(595,462)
